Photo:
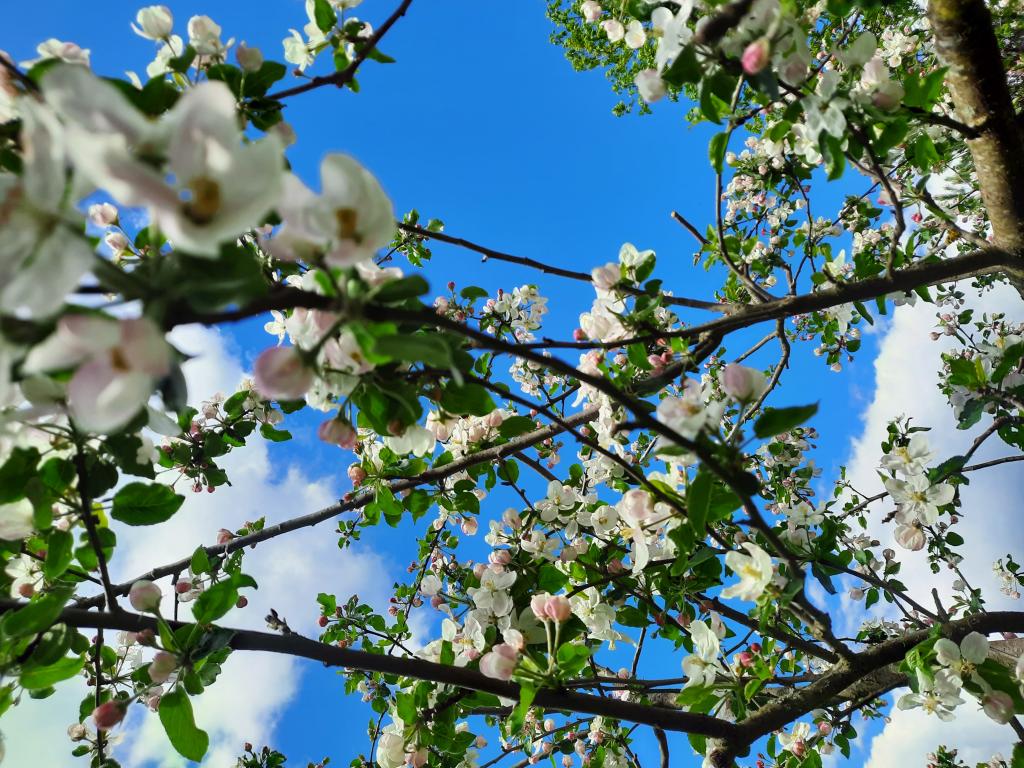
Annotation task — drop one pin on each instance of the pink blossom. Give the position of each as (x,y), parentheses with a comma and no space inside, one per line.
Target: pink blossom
(499,662)
(281,374)
(108,714)
(755,56)
(145,596)
(338,432)
(162,666)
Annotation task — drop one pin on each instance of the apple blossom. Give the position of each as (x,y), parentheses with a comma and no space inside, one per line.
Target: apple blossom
(962,660)
(103,214)
(42,257)
(999,706)
(108,714)
(650,85)
(756,56)
(16,520)
(117,365)
(204,36)
(742,383)
(162,666)
(249,59)
(145,596)
(910,536)
(613,29)
(281,373)
(219,186)
(590,10)
(338,431)
(635,35)
(702,667)
(755,570)
(154,22)
(500,662)
(346,224)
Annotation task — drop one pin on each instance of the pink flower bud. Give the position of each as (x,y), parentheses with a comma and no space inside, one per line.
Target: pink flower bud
(755,56)
(356,474)
(436,601)
(557,608)
(499,557)
(224,536)
(998,705)
(108,714)
(145,596)
(479,569)
(500,662)
(103,214)
(338,432)
(742,383)
(182,586)
(469,525)
(579,335)
(162,666)
(744,658)
(249,59)
(281,374)
(824,728)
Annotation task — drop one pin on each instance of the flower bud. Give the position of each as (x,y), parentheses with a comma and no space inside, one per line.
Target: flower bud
(249,59)
(155,22)
(145,596)
(108,714)
(499,662)
(356,474)
(998,705)
(281,374)
(162,666)
(338,432)
(650,85)
(742,383)
(590,10)
(103,214)
(755,56)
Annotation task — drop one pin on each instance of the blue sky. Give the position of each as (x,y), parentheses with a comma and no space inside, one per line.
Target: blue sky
(481,122)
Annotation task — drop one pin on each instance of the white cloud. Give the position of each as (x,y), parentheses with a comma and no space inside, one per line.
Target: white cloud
(290,571)
(905,383)
(911,735)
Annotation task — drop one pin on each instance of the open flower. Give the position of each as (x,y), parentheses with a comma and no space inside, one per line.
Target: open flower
(755,571)
(214,187)
(964,659)
(118,364)
(346,224)
(16,520)
(909,459)
(702,666)
(918,500)
(500,662)
(937,696)
(42,257)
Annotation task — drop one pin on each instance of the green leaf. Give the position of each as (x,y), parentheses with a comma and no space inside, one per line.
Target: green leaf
(38,615)
(220,598)
(469,398)
(145,504)
(19,466)
(324,15)
(275,435)
(685,68)
(777,420)
(527,692)
(415,348)
(716,150)
(400,290)
(59,553)
(44,677)
(514,426)
(698,502)
(200,562)
(179,723)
